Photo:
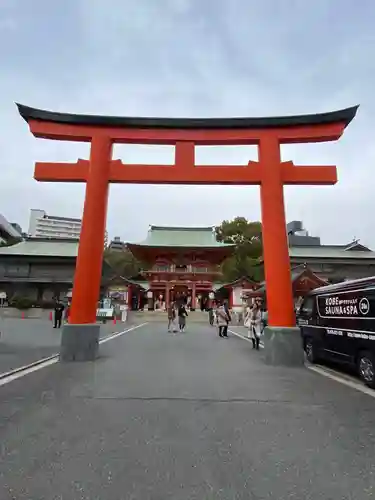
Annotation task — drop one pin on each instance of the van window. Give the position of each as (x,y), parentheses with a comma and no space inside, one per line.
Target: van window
(307,306)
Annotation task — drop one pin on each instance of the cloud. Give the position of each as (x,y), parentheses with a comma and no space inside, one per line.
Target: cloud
(190,58)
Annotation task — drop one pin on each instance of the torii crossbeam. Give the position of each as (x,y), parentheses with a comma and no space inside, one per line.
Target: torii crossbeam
(184,133)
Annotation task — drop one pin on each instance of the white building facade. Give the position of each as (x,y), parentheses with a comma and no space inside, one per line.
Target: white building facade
(42,225)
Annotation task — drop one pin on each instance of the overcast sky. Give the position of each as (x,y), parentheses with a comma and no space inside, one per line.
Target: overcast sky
(191,58)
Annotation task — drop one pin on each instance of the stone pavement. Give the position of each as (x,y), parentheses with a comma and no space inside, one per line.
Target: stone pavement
(183,417)
(24,341)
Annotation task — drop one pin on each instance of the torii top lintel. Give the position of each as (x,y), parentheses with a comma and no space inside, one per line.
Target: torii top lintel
(185,134)
(289,129)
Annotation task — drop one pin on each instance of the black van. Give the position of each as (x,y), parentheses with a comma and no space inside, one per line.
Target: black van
(338,323)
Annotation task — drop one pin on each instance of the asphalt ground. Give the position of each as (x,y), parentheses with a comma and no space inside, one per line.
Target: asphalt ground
(187,416)
(25,341)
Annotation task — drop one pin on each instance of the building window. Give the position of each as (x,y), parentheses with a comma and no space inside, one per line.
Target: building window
(181,268)
(199,269)
(162,267)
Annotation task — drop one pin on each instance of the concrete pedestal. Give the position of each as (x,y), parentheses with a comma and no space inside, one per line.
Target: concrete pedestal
(79,342)
(283,346)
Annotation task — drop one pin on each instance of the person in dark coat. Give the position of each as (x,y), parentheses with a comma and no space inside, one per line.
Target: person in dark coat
(182,315)
(59,309)
(227,312)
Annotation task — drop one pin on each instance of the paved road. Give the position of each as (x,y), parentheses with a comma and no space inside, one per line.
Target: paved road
(183,417)
(25,341)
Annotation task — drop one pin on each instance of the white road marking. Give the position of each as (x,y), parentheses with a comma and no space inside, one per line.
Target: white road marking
(7,377)
(329,373)
(118,334)
(261,345)
(26,370)
(341,379)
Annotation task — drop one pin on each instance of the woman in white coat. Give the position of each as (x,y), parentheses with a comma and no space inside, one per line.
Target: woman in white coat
(255,328)
(247,317)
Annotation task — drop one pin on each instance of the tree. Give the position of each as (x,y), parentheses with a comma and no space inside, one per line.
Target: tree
(10,242)
(247,238)
(122,262)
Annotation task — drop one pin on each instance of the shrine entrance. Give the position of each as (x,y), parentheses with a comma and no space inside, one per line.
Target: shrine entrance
(282,343)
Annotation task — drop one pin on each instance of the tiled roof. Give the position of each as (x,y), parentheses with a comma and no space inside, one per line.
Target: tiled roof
(329,252)
(295,274)
(189,237)
(127,280)
(241,280)
(42,248)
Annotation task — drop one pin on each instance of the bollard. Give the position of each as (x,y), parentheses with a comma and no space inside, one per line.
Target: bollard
(114,320)
(50,316)
(22,315)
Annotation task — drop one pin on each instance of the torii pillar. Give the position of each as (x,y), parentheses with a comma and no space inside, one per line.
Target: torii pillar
(282,341)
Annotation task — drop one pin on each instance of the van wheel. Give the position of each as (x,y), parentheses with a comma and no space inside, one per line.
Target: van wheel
(366,368)
(310,351)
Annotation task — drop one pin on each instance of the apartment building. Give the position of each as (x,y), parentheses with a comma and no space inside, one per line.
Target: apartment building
(42,225)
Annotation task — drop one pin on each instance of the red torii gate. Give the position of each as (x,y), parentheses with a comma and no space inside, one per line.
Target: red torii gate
(184,133)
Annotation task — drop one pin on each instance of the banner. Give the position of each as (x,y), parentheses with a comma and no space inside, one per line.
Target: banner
(353,304)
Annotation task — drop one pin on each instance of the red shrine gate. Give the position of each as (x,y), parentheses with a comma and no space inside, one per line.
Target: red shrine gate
(269,172)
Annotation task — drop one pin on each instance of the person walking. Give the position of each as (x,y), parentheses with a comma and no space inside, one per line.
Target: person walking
(67,313)
(171,311)
(229,318)
(256,323)
(59,309)
(182,315)
(247,322)
(211,314)
(222,320)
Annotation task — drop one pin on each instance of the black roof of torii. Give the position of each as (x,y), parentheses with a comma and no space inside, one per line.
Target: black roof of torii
(341,116)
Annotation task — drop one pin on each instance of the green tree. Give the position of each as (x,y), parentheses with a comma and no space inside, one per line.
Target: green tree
(247,238)
(122,262)
(10,242)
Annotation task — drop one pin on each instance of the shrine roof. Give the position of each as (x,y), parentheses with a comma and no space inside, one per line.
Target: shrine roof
(341,116)
(43,247)
(337,252)
(329,252)
(125,280)
(296,273)
(181,237)
(240,281)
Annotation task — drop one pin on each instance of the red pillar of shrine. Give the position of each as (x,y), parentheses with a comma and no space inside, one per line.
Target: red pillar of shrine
(88,273)
(275,240)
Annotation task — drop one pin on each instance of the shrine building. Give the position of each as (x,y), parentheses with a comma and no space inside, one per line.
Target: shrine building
(180,262)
